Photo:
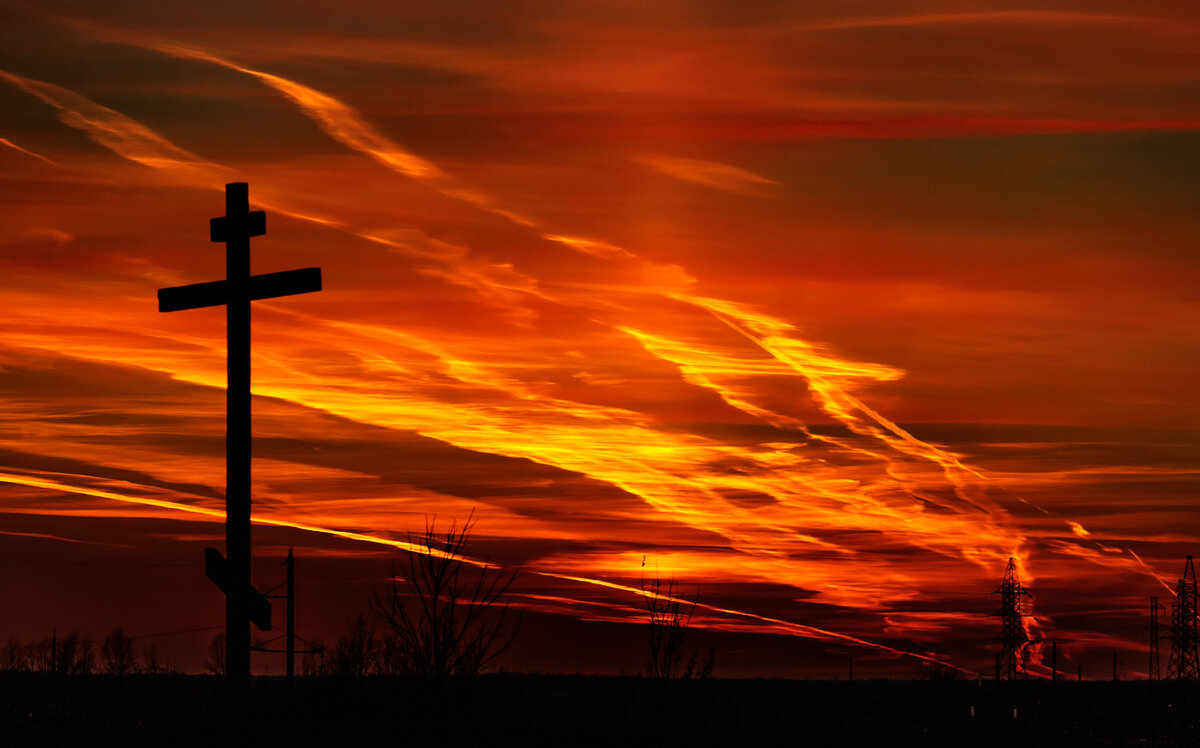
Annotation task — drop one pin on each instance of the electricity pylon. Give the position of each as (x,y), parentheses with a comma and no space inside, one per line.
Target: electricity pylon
(1013,608)
(1185,665)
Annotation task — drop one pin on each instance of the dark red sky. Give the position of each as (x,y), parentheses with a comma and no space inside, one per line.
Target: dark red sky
(823,309)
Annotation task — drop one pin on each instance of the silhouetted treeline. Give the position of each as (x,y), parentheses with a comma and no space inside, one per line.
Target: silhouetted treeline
(74,654)
(39,709)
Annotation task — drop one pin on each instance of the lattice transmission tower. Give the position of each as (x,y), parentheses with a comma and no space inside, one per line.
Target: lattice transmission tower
(1013,607)
(1185,665)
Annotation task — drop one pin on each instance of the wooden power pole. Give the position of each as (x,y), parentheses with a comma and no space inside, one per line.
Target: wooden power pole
(291,618)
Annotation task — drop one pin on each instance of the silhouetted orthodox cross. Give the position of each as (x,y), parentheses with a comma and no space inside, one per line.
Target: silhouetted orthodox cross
(243,604)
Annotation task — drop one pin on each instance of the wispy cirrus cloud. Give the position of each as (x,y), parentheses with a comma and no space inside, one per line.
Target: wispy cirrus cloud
(708,173)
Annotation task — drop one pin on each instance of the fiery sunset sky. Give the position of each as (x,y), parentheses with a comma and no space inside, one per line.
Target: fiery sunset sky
(822,309)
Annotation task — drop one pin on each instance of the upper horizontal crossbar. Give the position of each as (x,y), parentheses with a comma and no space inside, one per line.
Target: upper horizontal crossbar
(225,228)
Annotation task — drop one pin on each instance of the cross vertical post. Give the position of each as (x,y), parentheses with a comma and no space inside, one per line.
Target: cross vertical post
(243,604)
(237,431)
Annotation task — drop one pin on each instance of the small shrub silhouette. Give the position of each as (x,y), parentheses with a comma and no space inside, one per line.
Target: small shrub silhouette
(668,617)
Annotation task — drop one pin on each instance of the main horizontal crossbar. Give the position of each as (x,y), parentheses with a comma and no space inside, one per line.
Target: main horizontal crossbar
(216,293)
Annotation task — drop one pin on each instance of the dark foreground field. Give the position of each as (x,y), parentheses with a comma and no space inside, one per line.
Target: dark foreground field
(36,709)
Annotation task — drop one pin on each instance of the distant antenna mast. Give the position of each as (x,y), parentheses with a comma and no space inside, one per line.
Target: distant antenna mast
(1013,608)
(1185,665)
(1155,671)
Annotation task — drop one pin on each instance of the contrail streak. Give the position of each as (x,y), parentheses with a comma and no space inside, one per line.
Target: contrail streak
(339,121)
(214,514)
(1150,570)
(119,133)
(498,286)
(346,125)
(798,629)
(26,151)
(133,141)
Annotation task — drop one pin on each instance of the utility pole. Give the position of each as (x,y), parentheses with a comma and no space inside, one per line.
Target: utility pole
(243,604)
(1013,608)
(291,618)
(289,635)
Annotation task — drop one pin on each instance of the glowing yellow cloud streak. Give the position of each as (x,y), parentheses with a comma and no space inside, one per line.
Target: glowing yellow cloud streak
(633,456)
(346,125)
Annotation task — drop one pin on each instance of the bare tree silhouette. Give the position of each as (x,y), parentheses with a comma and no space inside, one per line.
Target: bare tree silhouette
(151,662)
(76,655)
(668,617)
(117,653)
(42,655)
(357,651)
(216,655)
(13,656)
(447,619)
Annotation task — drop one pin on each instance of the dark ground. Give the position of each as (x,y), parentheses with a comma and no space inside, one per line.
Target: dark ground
(169,710)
